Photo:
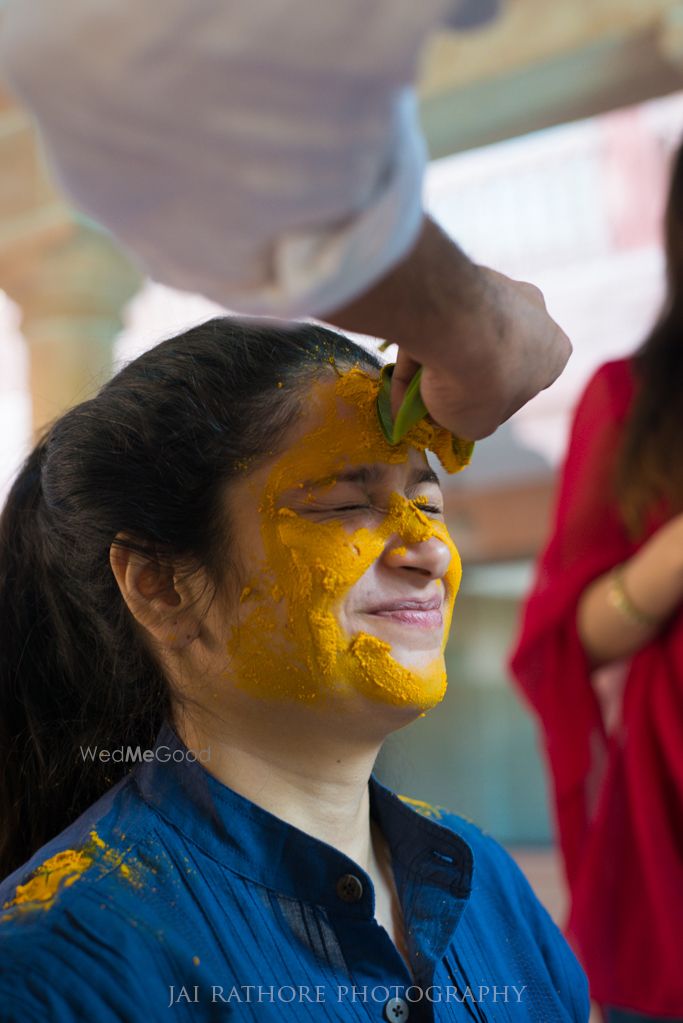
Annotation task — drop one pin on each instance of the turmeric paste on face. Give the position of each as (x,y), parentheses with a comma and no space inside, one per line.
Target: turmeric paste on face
(289,643)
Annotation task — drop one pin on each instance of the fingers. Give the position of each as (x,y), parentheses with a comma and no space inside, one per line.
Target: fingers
(405,369)
(486,343)
(520,350)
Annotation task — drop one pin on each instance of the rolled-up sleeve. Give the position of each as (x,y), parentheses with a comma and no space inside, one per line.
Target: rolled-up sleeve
(267,155)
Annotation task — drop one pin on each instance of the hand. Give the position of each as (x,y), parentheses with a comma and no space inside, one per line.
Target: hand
(486,343)
(499,354)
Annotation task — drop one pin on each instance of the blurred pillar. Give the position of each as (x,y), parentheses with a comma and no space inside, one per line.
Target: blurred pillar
(630,156)
(68,278)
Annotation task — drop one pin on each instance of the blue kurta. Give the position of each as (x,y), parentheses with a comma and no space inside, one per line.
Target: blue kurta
(192,903)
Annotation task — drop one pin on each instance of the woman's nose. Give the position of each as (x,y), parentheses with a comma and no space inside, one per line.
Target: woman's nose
(431,557)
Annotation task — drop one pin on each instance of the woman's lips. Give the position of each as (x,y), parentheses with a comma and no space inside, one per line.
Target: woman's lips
(428,619)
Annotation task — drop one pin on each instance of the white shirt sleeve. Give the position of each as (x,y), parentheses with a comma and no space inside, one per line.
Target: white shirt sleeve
(265,153)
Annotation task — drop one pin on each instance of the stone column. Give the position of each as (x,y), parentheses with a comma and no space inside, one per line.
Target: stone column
(68,278)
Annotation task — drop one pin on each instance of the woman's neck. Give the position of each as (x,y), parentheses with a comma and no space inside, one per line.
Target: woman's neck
(320,787)
(312,781)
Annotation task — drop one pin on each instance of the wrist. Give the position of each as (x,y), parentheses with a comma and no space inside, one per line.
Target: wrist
(619,597)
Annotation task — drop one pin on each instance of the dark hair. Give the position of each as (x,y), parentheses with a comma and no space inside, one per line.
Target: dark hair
(149,456)
(650,468)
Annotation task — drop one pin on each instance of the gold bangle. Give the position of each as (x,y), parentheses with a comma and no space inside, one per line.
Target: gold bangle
(620,600)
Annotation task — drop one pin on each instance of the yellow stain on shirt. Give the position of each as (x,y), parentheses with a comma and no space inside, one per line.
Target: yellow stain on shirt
(426,809)
(64,869)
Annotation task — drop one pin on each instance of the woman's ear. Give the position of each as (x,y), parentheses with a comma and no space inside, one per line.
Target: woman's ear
(162,602)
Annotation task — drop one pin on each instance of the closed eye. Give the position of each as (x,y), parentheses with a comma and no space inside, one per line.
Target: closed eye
(431,508)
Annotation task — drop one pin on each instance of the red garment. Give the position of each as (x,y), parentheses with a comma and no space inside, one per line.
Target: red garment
(618,796)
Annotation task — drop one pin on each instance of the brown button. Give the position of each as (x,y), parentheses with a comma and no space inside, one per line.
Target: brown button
(349,888)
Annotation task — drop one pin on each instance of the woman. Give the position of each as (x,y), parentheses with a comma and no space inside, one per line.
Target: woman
(609,592)
(221,589)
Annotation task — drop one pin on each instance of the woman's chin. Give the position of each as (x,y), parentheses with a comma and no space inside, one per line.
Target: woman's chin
(423,698)
(410,645)
(383,717)
(418,661)
(417,684)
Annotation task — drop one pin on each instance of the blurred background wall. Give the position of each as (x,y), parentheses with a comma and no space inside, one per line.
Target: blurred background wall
(551,132)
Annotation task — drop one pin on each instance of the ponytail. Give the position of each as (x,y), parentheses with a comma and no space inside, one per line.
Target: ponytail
(50,662)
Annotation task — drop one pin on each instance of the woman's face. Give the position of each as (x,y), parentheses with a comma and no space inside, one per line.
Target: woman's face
(331,534)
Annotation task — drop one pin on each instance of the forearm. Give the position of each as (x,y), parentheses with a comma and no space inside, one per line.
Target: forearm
(418,303)
(615,618)
(289,220)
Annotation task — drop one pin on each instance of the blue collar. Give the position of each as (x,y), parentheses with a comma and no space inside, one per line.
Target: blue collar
(257,845)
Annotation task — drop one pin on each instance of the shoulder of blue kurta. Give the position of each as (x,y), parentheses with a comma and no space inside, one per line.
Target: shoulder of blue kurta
(502,895)
(73,927)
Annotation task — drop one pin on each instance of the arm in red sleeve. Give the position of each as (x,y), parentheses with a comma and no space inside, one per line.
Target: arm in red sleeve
(587,539)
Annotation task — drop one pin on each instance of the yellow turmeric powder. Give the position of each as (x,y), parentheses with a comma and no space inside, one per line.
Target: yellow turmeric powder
(426,809)
(64,869)
(295,648)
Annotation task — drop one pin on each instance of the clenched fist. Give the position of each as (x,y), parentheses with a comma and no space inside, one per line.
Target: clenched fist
(486,343)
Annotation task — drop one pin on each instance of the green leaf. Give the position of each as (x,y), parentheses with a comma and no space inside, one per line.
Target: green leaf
(411,411)
(384,402)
